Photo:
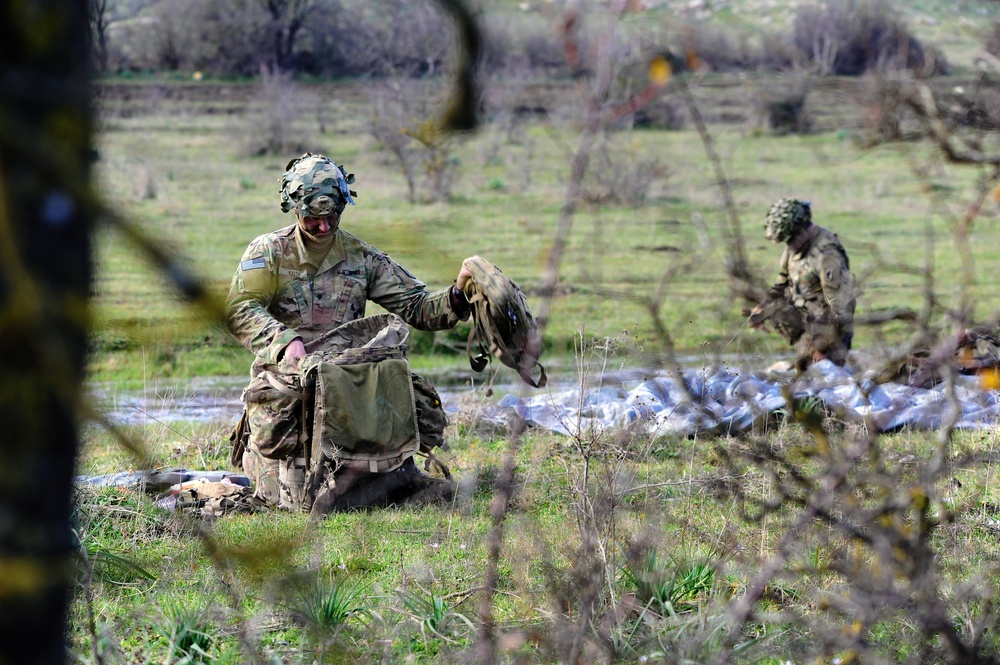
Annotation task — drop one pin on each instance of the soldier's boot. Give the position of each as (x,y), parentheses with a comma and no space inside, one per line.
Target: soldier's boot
(818,344)
(399,486)
(436,490)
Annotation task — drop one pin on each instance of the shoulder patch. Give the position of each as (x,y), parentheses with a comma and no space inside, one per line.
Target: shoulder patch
(251,264)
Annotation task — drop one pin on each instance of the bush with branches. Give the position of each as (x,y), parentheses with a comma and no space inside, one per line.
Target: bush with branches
(518,43)
(859,526)
(277,117)
(782,110)
(403,125)
(851,37)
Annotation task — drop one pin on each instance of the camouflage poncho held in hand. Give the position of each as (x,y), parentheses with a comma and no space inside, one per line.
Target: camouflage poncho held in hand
(786,218)
(316,185)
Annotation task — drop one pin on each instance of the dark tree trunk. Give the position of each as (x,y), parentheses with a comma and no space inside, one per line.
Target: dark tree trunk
(45,274)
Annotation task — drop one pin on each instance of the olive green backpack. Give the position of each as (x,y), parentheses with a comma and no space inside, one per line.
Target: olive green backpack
(353,404)
(503,325)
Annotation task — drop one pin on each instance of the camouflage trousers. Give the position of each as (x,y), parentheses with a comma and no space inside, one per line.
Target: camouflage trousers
(276,482)
(813,339)
(813,346)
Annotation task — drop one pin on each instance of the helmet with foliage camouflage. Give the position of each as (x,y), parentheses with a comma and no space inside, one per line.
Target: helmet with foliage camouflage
(786,218)
(316,186)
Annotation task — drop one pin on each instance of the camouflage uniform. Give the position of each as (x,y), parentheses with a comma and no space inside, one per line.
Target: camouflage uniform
(278,295)
(815,285)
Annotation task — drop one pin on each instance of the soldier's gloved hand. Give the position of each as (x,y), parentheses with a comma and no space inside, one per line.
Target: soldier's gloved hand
(756,321)
(294,352)
(464,275)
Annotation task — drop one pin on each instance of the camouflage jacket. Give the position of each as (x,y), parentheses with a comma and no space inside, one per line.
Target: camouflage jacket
(276,295)
(816,279)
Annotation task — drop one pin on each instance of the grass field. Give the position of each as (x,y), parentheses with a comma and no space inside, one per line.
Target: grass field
(179,177)
(616,546)
(656,539)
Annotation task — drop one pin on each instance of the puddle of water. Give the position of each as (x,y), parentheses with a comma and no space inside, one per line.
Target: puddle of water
(196,400)
(217,399)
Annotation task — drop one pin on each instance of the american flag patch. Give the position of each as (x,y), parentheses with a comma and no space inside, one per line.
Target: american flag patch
(259,262)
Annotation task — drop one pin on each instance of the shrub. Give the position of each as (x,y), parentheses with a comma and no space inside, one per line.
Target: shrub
(975,107)
(663,113)
(719,49)
(378,37)
(403,124)
(276,117)
(189,631)
(521,43)
(782,111)
(668,586)
(622,175)
(326,607)
(778,53)
(992,43)
(884,115)
(851,37)
(435,615)
(724,49)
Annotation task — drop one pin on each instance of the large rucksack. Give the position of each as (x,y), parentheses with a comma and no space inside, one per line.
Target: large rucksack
(355,408)
(503,325)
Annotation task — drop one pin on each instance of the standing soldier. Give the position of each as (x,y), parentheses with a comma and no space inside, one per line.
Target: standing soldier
(301,281)
(812,305)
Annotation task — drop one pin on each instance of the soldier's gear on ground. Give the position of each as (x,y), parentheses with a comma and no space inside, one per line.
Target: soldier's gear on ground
(209,493)
(786,218)
(161,480)
(503,324)
(971,351)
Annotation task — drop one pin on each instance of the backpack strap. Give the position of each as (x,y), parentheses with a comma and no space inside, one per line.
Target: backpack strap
(480,309)
(284,387)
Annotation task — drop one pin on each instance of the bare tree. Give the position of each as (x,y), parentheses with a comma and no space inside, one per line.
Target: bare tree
(102,15)
(288,19)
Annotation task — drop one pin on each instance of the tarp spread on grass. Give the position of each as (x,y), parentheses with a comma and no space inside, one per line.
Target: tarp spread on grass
(730,401)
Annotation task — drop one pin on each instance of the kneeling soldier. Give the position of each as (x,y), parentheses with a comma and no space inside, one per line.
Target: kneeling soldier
(294,285)
(812,304)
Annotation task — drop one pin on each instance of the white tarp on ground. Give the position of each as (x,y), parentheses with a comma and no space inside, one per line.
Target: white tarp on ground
(732,400)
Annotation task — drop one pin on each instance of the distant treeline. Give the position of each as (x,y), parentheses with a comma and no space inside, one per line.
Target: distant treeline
(356,38)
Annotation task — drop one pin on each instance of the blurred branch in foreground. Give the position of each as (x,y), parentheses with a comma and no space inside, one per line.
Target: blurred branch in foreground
(46,214)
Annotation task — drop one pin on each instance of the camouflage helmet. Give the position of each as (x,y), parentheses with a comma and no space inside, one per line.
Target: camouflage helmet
(786,218)
(316,186)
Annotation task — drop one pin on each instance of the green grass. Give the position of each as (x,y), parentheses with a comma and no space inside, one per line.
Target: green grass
(405,579)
